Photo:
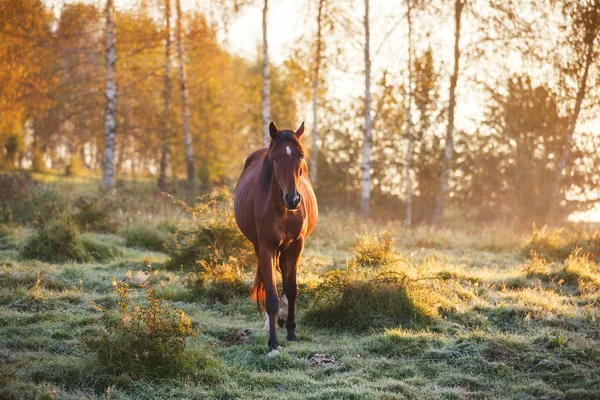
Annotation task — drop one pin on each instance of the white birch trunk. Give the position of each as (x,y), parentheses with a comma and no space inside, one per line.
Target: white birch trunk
(409,136)
(266,106)
(366,167)
(110,121)
(164,158)
(185,112)
(315,131)
(438,214)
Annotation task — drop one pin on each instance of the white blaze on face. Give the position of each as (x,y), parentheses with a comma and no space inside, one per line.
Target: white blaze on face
(288,150)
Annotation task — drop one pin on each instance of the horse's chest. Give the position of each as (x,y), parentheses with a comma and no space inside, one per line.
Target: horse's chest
(293,227)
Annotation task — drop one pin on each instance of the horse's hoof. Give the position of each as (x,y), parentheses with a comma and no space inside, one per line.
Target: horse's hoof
(291,336)
(272,353)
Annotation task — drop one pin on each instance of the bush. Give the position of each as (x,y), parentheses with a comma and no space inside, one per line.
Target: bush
(537,267)
(218,281)
(96,214)
(213,233)
(558,244)
(59,240)
(363,300)
(6,238)
(23,200)
(580,269)
(143,236)
(141,340)
(373,251)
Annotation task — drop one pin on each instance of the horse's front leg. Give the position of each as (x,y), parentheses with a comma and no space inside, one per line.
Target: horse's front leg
(290,285)
(266,265)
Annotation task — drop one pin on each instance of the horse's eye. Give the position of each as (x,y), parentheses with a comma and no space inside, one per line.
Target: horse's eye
(275,158)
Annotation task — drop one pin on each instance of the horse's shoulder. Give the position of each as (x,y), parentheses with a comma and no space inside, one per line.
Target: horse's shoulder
(257,155)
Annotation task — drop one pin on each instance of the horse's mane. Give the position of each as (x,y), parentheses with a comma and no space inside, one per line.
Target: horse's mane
(267,169)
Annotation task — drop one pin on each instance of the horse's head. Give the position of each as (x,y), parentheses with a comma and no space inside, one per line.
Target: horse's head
(287,153)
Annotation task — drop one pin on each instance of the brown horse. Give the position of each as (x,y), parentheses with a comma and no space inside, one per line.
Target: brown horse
(276,208)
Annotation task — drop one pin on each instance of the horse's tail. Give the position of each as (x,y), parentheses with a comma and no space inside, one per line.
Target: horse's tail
(258,293)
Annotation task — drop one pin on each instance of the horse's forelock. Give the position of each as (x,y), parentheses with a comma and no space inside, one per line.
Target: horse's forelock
(286,135)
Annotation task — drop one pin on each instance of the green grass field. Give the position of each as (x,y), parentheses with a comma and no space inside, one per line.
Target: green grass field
(496,324)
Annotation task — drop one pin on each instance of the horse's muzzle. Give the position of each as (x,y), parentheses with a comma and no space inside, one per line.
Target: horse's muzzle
(292,201)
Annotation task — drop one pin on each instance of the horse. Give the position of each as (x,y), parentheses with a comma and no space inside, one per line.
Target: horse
(276,209)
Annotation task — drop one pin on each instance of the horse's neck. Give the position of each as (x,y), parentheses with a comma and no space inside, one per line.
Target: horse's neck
(274,193)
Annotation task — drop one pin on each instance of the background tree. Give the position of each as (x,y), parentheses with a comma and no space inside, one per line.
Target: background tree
(366,168)
(582,33)
(162,179)
(187,138)
(266,106)
(315,100)
(442,199)
(110,127)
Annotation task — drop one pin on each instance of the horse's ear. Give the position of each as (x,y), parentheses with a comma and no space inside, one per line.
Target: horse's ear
(300,130)
(273,130)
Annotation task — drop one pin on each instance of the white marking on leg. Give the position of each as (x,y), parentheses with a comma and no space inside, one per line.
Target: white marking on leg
(266,328)
(283,311)
(288,150)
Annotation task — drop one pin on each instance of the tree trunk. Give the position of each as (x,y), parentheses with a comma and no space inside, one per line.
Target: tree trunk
(366,168)
(266,107)
(315,131)
(110,121)
(442,199)
(562,161)
(164,156)
(187,138)
(409,136)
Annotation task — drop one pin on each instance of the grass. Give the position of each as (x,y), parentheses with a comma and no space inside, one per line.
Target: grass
(494,324)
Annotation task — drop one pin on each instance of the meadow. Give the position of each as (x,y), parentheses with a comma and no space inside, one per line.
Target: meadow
(137,295)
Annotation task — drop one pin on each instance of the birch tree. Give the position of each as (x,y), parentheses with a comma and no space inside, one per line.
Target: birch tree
(110,128)
(409,135)
(366,168)
(584,31)
(315,128)
(185,112)
(164,158)
(438,214)
(266,106)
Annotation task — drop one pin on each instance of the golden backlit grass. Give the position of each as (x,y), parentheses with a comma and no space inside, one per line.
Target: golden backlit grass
(421,313)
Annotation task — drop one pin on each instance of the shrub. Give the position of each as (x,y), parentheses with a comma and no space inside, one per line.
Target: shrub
(96,214)
(59,240)
(23,200)
(6,238)
(212,233)
(580,268)
(558,244)
(141,340)
(537,266)
(140,235)
(363,300)
(218,281)
(372,250)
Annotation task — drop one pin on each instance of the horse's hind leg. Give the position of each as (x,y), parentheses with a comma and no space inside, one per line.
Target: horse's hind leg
(290,285)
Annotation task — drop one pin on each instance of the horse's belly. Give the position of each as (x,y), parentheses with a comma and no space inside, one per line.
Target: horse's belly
(244,210)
